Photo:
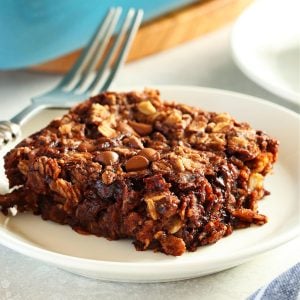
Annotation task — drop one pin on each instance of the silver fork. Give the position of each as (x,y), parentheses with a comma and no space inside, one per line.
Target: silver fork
(85,78)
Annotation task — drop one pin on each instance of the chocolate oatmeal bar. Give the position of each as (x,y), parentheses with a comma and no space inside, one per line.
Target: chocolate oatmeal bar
(127,165)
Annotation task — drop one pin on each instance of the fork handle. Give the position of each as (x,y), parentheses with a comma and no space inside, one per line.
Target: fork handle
(9,130)
(26,113)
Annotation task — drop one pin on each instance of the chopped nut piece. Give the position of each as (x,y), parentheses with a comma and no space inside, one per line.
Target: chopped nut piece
(223,117)
(255,181)
(150,200)
(125,128)
(188,164)
(177,163)
(151,209)
(186,109)
(249,216)
(107,131)
(98,113)
(174,117)
(155,197)
(146,107)
(134,142)
(186,120)
(108,176)
(174,225)
(124,151)
(171,244)
(197,126)
(210,126)
(222,127)
(65,189)
(161,166)
(23,166)
(65,128)
(47,166)
(141,128)
(79,156)
(262,162)
(216,140)
(240,141)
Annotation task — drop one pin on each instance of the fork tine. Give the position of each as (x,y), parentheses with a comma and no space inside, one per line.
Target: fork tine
(97,86)
(88,50)
(99,50)
(118,40)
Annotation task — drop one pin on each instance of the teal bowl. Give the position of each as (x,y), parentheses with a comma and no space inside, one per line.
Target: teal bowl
(35,31)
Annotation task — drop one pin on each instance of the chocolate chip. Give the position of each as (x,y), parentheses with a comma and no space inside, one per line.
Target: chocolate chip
(107,158)
(137,163)
(150,154)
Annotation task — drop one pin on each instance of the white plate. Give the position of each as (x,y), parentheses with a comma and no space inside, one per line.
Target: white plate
(119,261)
(265,43)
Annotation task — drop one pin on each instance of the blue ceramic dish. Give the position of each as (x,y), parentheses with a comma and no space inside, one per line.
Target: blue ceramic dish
(34,31)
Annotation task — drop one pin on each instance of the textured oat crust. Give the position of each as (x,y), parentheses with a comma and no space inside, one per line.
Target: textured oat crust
(170,176)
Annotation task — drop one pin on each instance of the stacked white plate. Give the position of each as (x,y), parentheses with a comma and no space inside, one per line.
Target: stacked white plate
(266,46)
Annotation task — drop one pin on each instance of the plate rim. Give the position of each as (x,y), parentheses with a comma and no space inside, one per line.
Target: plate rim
(150,267)
(287,95)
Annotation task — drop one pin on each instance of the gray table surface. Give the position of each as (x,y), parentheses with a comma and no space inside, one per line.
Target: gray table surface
(203,62)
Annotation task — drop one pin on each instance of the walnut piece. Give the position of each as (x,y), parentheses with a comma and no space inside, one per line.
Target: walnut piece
(146,107)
